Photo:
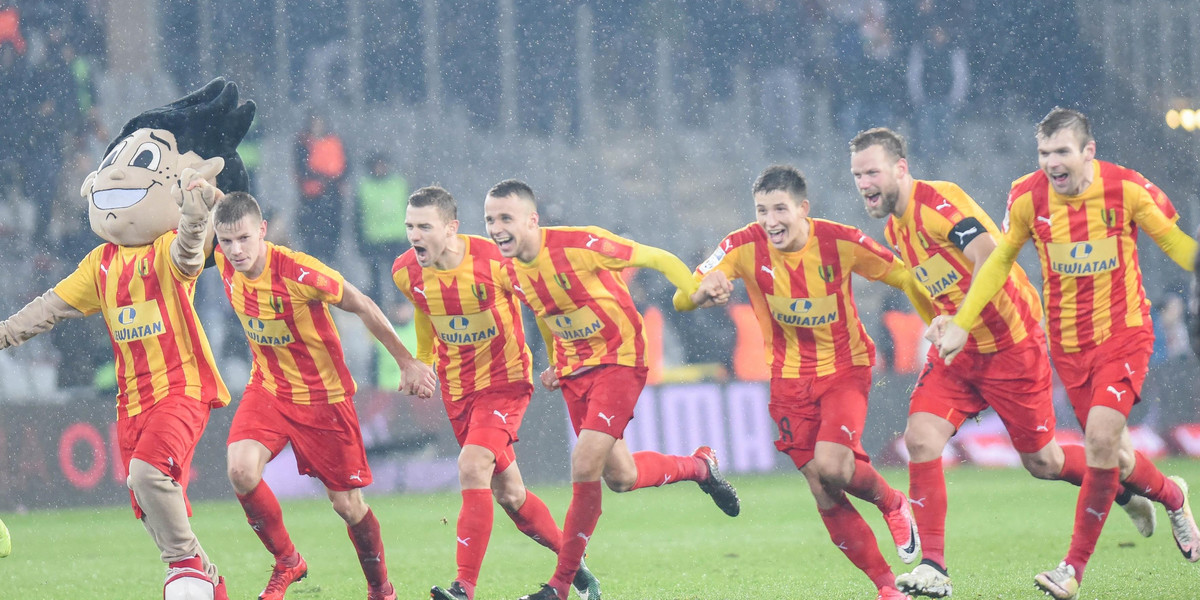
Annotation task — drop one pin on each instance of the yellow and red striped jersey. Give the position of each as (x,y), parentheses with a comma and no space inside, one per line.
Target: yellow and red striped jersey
(574,286)
(1087,245)
(475,325)
(285,313)
(938,223)
(803,299)
(159,347)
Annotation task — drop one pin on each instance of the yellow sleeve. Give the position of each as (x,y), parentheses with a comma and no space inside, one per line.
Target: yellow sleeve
(547,337)
(902,279)
(1178,245)
(424,329)
(987,283)
(668,264)
(79,288)
(683,301)
(1152,209)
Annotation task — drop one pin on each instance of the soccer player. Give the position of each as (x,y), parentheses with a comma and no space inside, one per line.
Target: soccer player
(797,274)
(945,237)
(570,277)
(300,390)
(1083,215)
(470,327)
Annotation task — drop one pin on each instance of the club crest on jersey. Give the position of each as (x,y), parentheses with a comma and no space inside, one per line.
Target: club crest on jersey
(479,291)
(921,239)
(562,281)
(1109,216)
(827,273)
(143,267)
(277,304)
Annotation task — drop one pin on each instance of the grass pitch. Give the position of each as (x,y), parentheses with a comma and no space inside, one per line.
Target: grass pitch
(657,544)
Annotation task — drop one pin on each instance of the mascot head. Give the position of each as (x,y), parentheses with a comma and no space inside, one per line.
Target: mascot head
(129,200)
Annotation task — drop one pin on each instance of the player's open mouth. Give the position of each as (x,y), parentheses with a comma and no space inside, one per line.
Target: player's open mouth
(1059,178)
(872,199)
(421,252)
(505,242)
(117,198)
(777,235)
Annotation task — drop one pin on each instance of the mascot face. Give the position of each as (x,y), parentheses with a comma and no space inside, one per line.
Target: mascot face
(129,201)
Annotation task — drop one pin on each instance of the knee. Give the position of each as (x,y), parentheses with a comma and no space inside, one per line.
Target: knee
(1041,467)
(243,477)
(619,483)
(921,448)
(833,475)
(510,499)
(475,469)
(350,507)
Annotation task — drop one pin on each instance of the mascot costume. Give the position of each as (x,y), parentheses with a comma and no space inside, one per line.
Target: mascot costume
(142,280)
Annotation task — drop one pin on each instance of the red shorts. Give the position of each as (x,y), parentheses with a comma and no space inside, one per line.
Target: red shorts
(325,437)
(602,398)
(491,418)
(808,410)
(165,436)
(1120,363)
(1014,381)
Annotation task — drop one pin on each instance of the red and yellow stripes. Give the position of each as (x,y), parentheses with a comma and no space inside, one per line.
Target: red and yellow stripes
(478,333)
(159,346)
(297,351)
(803,300)
(923,237)
(1087,245)
(574,285)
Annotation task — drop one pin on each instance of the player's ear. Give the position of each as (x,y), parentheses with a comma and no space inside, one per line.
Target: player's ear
(452,227)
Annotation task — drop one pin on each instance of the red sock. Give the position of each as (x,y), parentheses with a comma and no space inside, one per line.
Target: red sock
(1148,481)
(1074,466)
(369,545)
(853,536)
(474,531)
(534,520)
(868,484)
(578,526)
(654,469)
(1095,500)
(927,497)
(266,518)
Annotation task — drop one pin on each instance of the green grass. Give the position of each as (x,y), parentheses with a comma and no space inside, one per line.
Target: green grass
(668,543)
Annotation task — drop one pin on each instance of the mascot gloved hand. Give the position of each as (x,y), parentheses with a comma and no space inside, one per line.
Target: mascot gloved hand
(142,280)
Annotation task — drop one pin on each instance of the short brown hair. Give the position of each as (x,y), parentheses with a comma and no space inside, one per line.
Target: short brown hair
(781,177)
(437,197)
(1060,118)
(891,142)
(236,206)
(513,187)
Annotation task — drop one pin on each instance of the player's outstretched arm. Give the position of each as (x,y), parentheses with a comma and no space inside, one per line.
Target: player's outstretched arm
(902,279)
(425,334)
(715,290)
(417,377)
(549,376)
(39,316)
(196,198)
(1178,245)
(668,264)
(987,282)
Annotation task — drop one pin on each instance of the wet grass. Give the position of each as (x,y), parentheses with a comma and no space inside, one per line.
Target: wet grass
(669,544)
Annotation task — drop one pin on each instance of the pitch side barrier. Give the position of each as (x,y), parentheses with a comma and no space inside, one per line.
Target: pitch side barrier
(66,455)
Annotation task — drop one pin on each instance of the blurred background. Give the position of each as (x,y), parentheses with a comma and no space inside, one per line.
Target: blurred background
(647,117)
